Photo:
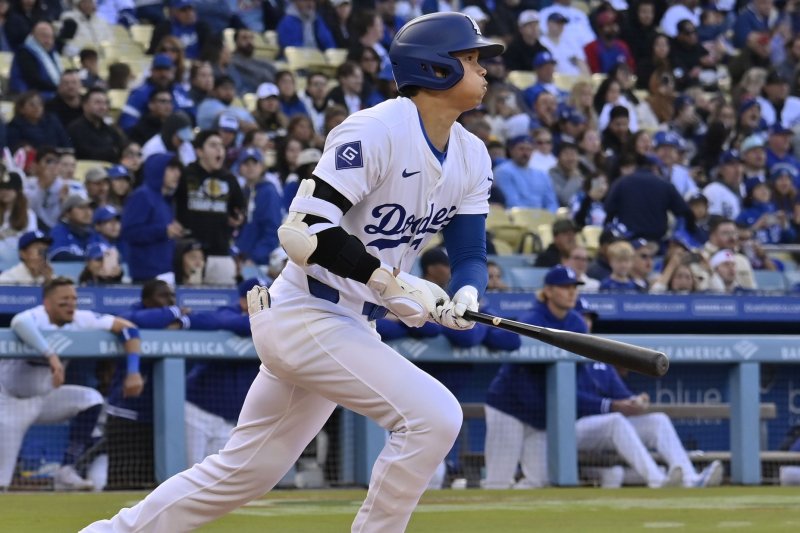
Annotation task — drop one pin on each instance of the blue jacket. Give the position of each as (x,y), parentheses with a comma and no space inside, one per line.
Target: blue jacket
(746,22)
(69,243)
(773,234)
(144,223)
(519,390)
(525,187)
(598,384)
(48,132)
(136,106)
(259,235)
(290,32)
(121,246)
(220,387)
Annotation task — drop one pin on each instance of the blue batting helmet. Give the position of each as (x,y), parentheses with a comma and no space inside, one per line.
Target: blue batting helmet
(426,44)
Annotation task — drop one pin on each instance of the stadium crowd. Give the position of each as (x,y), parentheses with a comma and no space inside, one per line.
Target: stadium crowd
(669,128)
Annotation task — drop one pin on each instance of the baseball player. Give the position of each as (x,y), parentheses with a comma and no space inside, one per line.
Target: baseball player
(390,178)
(32,390)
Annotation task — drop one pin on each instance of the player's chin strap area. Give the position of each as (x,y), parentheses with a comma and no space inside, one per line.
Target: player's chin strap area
(317,210)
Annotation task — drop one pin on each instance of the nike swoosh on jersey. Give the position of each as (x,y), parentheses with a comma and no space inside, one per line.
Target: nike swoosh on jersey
(407,174)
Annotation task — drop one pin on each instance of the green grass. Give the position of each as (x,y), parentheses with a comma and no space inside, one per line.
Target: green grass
(758,509)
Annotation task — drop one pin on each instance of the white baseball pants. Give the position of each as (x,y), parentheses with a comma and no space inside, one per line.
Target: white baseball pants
(631,437)
(510,442)
(315,355)
(206,433)
(19,414)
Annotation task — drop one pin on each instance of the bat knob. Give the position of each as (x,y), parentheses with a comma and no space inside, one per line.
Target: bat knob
(662,364)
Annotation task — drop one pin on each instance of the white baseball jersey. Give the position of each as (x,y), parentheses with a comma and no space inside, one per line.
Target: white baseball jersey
(401,195)
(24,378)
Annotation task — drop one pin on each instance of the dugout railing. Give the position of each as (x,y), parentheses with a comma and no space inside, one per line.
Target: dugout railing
(362,440)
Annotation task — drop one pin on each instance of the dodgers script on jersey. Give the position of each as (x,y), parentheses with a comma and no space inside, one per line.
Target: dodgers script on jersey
(380,160)
(32,377)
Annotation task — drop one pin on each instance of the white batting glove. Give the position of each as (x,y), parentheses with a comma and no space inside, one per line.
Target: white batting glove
(451,313)
(406,296)
(257,299)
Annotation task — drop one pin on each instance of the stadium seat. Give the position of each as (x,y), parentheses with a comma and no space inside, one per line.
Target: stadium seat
(530,218)
(301,58)
(271,38)
(5,63)
(497,216)
(68,269)
(597,79)
(511,234)
(83,165)
(142,34)
(521,79)
(117,99)
(250,100)
(502,248)
(545,233)
(768,280)
(527,277)
(507,262)
(591,237)
(7,110)
(336,56)
(565,82)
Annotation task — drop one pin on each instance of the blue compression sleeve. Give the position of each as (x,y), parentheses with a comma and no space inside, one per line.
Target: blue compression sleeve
(23,325)
(133,358)
(465,240)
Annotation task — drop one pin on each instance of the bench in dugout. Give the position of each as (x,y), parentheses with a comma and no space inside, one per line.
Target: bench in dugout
(472,462)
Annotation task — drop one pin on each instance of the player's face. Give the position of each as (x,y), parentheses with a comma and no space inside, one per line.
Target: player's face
(562,297)
(164,296)
(469,92)
(61,303)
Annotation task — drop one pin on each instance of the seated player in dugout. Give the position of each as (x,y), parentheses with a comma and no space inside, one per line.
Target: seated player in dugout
(390,178)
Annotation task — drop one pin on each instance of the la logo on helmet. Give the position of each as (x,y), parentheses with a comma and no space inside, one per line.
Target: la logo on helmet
(474,25)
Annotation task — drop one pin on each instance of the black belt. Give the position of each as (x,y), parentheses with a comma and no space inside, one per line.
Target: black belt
(326,292)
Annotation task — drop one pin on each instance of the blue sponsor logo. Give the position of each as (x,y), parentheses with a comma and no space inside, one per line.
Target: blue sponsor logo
(399,227)
(348,155)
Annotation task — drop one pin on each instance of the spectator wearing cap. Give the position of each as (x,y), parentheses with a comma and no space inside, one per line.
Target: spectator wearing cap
(149,227)
(36,64)
(777,105)
(679,11)
(268,114)
(779,147)
(222,101)
(92,137)
(258,236)
(315,99)
(566,177)
(558,251)
(642,201)
(669,150)
(525,43)
(571,125)
(162,76)
(251,70)
(183,24)
(723,235)
(698,203)
(45,188)
(302,26)
(74,233)
(102,265)
(97,186)
(515,401)
(607,50)
(521,185)
(759,16)
(66,104)
(176,136)
(16,217)
(570,57)
(120,180)
(159,108)
(578,27)
(33,267)
(723,267)
(620,258)
(92,30)
(544,64)
(769,225)
(108,229)
(209,202)
(785,181)
(754,158)
(644,254)
(725,194)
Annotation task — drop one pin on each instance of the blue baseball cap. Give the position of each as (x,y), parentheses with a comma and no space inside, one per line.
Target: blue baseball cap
(244,287)
(557,17)
(641,243)
(250,153)
(729,156)
(543,58)
(512,142)
(30,237)
(747,104)
(780,169)
(180,4)
(779,129)
(570,114)
(752,183)
(96,250)
(117,172)
(105,213)
(162,61)
(561,276)
(668,138)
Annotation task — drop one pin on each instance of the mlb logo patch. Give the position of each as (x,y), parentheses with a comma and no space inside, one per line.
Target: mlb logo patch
(348,155)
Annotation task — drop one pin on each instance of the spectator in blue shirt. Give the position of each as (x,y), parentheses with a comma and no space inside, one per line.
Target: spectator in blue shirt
(33,127)
(301,26)
(770,225)
(521,185)
(779,147)
(758,17)
(148,222)
(74,233)
(620,257)
(259,234)
(108,228)
(221,101)
(183,24)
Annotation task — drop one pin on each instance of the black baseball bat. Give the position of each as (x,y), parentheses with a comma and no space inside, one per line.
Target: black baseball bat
(643,360)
